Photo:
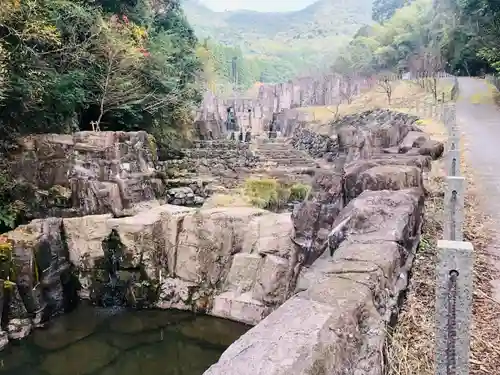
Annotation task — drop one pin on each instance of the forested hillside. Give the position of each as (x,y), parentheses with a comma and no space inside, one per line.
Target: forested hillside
(123,64)
(459,36)
(280,46)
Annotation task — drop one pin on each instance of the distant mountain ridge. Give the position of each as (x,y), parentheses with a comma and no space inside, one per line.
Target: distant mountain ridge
(306,38)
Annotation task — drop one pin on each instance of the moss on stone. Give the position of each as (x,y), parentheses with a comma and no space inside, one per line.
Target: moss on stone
(153,147)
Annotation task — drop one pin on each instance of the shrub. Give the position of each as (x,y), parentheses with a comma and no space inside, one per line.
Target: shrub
(269,193)
(299,192)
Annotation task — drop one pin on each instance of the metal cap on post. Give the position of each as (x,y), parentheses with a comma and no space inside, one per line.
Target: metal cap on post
(454,208)
(454,279)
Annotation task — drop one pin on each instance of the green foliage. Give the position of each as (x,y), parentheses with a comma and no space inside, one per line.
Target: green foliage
(265,193)
(412,38)
(8,208)
(66,63)
(460,36)
(475,45)
(280,46)
(269,193)
(384,9)
(299,192)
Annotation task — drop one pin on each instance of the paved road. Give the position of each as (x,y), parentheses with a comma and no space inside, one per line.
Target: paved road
(479,122)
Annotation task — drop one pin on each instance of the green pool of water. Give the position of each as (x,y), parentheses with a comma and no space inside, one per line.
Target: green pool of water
(119,342)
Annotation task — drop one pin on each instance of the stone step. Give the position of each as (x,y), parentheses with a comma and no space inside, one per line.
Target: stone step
(273,146)
(277,150)
(290,160)
(280,155)
(295,165)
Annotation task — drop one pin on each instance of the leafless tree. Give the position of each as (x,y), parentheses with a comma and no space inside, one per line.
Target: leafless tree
(434,65)
(427,65)
(384,85)
(335,110)
(348,88)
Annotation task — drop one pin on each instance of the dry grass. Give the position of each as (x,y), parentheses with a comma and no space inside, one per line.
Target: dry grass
(405,95)
(488,96)
(411,350)
(411,347)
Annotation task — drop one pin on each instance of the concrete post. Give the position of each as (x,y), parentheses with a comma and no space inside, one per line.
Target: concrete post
(453,162)
(454,258)
(453,143)
(454,208)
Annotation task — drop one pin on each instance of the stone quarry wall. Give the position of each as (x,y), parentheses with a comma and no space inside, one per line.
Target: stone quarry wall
(223,160)
(112,172)
(358,234)
(280,98)
(238,263)
(322,282)
(92,172)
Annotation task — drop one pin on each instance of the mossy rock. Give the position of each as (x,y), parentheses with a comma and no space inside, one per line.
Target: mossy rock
(153,147)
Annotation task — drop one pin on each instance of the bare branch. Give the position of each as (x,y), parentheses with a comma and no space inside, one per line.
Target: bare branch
(384,85)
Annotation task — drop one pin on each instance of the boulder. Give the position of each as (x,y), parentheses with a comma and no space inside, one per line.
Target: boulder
(432,148)
(363,135)
(414,139)
(381,216)
(383,177)
(336,323)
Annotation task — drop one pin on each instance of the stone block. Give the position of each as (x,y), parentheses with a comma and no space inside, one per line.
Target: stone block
(177,294)
(243,272)
(209,239)
(295,339)
(386,177)
(272,281)
(242,308)
(269,234)
(84,236)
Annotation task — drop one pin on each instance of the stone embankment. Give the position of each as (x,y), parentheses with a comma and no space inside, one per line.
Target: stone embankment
(358,234)
(326,313)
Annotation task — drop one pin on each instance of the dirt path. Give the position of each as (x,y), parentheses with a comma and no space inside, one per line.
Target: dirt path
(479,121)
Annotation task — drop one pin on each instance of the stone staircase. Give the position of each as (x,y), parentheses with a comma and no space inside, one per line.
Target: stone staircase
(280,154)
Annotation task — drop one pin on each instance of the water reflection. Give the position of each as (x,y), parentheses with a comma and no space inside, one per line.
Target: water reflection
(121,342)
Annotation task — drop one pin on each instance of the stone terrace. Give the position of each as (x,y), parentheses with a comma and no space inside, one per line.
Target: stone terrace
(321,284)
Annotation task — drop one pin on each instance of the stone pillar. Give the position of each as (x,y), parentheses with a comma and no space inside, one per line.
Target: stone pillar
(454,277)
(454,208)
